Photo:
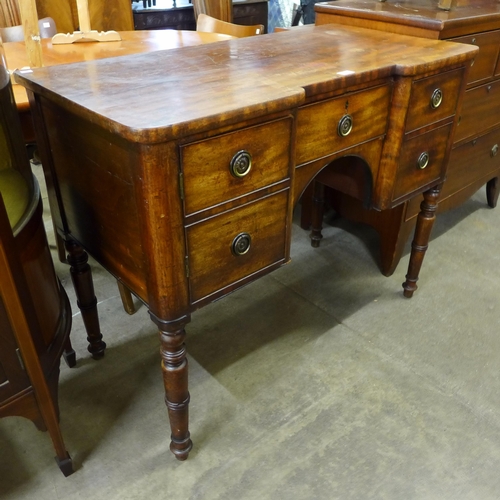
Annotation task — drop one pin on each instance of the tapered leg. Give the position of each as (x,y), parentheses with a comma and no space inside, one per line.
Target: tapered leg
(175,378)
(126,296)
(425,221)
(492,191)
(318,207)
(81,275)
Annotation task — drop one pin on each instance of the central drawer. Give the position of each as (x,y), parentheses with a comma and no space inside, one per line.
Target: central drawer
(231,165)
(235,244)
(323,127)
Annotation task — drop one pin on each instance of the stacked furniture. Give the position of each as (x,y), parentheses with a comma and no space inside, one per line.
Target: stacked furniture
(474,159)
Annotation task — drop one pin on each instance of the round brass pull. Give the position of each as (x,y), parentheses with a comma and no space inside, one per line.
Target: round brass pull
(423,160)
(240,164)
(241,244)
(345,126)
(494,150)
(436,98)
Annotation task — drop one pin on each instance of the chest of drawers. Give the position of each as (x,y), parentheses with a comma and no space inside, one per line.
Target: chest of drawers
(188,195)
(474,161)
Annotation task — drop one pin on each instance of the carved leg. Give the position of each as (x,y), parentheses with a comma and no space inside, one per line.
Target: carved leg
(175,378)
(492,191)
(425,221)
(81,275)
(318,206)
(126,296)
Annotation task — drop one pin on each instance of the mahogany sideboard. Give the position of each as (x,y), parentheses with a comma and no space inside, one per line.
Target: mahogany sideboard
(179,15)
(474,160)
(181,182)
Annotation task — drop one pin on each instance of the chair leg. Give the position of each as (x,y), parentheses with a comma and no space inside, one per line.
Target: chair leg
(318,207)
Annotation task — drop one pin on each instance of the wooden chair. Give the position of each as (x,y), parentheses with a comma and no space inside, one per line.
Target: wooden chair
(208,24)
(219,9)
(47,28)
(35,315)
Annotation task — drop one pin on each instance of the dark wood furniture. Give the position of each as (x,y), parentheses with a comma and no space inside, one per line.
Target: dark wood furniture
(180,16)
(35,315)
(474,160)
(188,195)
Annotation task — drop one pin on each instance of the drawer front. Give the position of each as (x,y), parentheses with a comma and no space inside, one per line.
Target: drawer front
(411,176)
(480,111)
(207,165)
(472,161)
(318,124)
(213,263)
(434,98)
(486,60)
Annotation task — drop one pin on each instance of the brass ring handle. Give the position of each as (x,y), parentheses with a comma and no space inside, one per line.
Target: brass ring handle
(345,126)
(423,160)
(436,98)
(494,150)
(240,164)
(241,244)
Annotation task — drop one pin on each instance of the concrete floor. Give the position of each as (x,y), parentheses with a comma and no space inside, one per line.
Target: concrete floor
(319,381)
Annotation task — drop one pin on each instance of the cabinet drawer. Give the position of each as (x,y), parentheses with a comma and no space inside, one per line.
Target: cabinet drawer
(434,98)
(486,60)
(318,124)
(214,265)
(206,165)
(411,177)
(480,111)
(472,161)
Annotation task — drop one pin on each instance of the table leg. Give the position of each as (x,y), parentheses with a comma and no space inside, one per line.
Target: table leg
(492,191)
(425,221)
(318,210)
(81,275)
(175,378)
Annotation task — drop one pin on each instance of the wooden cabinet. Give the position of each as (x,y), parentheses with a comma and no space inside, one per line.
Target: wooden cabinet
(187,194)
(474,160)
(35,315)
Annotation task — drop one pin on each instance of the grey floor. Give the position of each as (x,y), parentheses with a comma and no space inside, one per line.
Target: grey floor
(319,381)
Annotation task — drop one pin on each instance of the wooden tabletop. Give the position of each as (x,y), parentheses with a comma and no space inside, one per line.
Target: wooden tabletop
(245,75)
(133,42)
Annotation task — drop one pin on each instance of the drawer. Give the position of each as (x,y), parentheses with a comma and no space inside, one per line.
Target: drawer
(206,165)
(433,99)
(318,124)
(411,177)
(485,62)
(472,161)
(480,111)
(213,265)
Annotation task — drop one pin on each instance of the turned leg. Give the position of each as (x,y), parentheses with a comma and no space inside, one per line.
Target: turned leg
(318,207)
(306,207)
(175,378)
(492,191)
(81,275)
(425,221)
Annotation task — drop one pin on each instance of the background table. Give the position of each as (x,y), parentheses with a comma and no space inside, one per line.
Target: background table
(133,42)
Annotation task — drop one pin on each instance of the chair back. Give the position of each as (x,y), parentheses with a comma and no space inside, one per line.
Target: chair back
(220,9)
(208,24)
(46,26)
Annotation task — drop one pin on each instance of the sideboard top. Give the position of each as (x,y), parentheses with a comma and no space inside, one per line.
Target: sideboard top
(419,13)
(161,95)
